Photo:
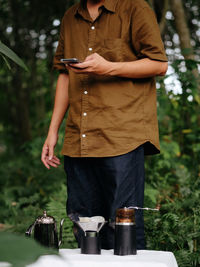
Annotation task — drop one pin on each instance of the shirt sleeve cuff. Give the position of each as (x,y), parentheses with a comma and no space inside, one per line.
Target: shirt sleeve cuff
(159,57)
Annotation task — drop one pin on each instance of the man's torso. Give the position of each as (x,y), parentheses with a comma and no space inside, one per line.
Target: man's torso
(109,116)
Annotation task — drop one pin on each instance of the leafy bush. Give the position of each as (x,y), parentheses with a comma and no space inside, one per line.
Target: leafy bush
(20,251)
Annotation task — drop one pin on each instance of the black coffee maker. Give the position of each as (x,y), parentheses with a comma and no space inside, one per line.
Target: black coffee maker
(125,232)
(90,239)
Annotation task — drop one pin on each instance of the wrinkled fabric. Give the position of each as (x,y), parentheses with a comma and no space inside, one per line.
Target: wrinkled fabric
(99,186)
(110,116)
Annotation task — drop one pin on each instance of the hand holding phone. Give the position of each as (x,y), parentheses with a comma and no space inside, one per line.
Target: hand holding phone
(70,60)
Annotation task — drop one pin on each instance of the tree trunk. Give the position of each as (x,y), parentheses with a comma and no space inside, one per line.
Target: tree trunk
(184,35)
(22,108)
(20,92)
(183,31)
(182,28)
(162,23)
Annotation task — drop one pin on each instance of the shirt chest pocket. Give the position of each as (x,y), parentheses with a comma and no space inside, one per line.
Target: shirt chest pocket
(111,49)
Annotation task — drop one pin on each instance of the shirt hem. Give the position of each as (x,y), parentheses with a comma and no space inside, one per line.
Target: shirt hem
(149,149)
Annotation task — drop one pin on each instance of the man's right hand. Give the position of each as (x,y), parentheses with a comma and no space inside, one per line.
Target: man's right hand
(48,158)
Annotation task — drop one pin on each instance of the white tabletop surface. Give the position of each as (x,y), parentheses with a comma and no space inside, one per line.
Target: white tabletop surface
(73,258)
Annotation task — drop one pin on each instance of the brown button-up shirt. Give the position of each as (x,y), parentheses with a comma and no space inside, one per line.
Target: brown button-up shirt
(110,116)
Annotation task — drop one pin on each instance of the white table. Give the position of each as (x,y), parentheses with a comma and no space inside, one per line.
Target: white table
(73,258)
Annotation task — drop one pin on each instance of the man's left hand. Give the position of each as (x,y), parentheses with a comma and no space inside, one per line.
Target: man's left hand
(93,64)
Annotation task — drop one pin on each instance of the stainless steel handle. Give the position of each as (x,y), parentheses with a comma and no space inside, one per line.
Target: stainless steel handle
(60,234)
(138,208)
(30,229)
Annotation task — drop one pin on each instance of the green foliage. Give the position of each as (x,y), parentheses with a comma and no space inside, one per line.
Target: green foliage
(26,185)
(5,51)
(27,188)
(57,206)
(19,250)
(176,227)
(173,177)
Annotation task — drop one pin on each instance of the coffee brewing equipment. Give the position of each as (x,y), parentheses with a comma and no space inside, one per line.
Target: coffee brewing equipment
(90,239)
(45,231)
(125,232)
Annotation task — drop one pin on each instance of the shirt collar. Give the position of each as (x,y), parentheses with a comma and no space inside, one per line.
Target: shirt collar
(110,5)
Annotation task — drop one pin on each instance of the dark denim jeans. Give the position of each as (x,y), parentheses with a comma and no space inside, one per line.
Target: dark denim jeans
(99,186)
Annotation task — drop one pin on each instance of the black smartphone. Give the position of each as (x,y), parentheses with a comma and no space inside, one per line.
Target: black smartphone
(70,60)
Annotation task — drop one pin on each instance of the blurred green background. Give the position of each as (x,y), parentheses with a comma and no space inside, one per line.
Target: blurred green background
(31,29)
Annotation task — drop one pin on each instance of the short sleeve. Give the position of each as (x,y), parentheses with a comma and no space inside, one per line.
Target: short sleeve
(60,52)
(146,38)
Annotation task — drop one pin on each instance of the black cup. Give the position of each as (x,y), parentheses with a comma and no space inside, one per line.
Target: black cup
(125,239)
(90,243)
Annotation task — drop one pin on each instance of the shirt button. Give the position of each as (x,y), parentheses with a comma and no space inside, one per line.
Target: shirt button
(90,49)
(84,114)
(83,135)
(85,92)
(92,27)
